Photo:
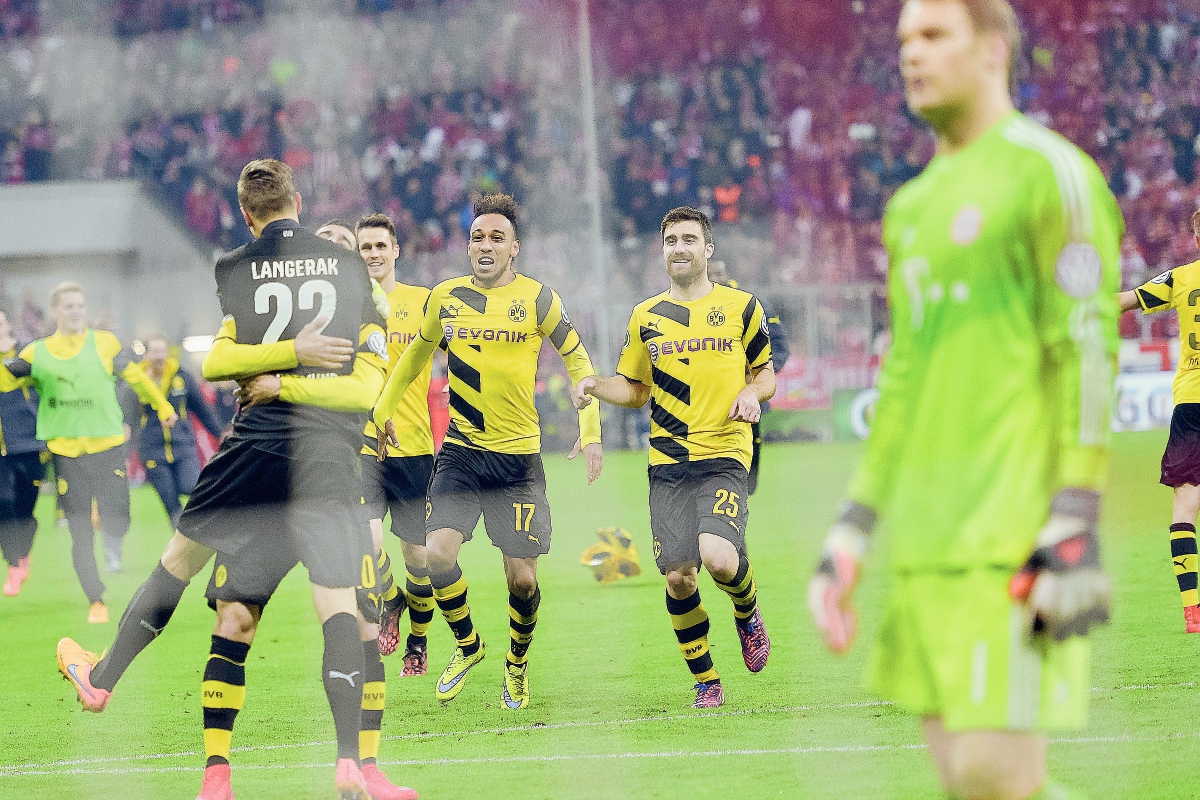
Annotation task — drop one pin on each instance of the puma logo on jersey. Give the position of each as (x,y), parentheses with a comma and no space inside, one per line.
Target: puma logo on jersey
(347,678)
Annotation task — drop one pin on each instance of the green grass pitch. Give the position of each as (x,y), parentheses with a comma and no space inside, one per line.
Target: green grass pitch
(610,713)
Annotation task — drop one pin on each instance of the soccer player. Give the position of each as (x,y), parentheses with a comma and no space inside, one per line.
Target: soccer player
(286,477)
(493,322)
(22,466)
(169,454)
(74,372)
(398,483)
(718,272)
(1176,288)
(688,352)
(989,445)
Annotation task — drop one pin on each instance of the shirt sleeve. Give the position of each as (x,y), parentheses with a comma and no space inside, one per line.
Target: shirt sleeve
(415,357)
(1157,294)
(1077,230)
(634,364)
(21,366)
(355,392)
(229,361)
(756,335)
(556,326)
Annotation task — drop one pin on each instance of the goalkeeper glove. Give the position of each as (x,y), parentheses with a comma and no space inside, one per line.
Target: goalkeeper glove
(1062,584)
(832,586)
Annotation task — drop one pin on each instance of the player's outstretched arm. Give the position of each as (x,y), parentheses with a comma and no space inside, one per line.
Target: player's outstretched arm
(1128,301)
(616,391)
(135,377)
(416,357)
(831,589)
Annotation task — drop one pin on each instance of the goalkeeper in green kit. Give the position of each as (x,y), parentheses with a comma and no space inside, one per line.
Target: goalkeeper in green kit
(989,445)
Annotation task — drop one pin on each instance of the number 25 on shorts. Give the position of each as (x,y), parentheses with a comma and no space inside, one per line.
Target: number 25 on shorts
(727,503)
(527,509)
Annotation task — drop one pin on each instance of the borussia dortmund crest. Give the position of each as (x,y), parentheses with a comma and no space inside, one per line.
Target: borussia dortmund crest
(716,317)
(516,312)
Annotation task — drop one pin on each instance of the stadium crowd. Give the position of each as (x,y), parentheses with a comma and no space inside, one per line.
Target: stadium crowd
(791,131)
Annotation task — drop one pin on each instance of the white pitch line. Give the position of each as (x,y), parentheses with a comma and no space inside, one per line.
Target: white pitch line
(549,726)
(439,762)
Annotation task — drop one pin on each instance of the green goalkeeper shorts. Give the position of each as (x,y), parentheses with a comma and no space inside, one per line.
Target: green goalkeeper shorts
(953,644)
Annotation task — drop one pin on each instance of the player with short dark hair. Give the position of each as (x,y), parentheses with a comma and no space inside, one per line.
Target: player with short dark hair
(688,352)
(398,483)
(989,445)
(74,372)
(300,450)
(1175,289)
(22,466)
(492,323)
(169,453)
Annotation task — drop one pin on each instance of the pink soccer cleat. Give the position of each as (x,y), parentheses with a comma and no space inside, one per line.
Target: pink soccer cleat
(380,788)
(756,646)
(216,784)
(709,695)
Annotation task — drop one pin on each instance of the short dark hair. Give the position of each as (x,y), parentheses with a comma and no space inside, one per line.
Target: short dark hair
(503,204)
(265,187)
(376,220)
(338,221)
(687,214)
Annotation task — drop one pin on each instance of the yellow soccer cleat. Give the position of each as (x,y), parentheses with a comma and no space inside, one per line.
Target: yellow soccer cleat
(516,685)
(76,664)
(455,673)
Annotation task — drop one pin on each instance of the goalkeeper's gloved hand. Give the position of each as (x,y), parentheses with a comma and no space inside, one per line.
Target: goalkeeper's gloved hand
(832,586)
(1063,585)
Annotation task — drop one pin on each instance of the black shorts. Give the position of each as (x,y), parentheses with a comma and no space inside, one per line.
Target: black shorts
(508,490)
(397,485)
(252,575)
(692,498)
(304,502)
(1181,459)
(93,475)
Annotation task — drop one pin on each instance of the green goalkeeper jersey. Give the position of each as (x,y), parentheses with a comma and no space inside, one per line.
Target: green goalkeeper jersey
(997,389)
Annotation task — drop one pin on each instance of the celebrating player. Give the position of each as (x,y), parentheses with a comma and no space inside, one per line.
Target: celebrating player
(74,372)
(22,466)
(1176,288)
(398,483)
(687,351)
(301,452)
(493,322)
(169,453)
(989,444)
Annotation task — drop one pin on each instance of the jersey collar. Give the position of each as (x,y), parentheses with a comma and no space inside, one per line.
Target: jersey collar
(278,226)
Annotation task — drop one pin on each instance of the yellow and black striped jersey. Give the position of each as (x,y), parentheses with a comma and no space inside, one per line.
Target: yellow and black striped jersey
(694,354)
(492,339)
(1179,288)
(411,417)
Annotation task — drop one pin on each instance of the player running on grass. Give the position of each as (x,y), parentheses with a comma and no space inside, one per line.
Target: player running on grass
(687,351)
(286,477)
(493,322)
(22,466)
(989,445)
(1177,289)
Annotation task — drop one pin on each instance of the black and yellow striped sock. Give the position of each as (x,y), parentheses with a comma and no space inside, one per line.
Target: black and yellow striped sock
(690,621)
(223,693)
(389,590)
(450,593)
(1183,555)
(420,606)
(374,695)
(741,591)
(522,618)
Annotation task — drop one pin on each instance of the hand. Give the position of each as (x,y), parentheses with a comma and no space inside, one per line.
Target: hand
(383,437)
(593,457)
(170,421)
(746,407)
(314,349)
(258,390)
(831,589)
(581,396)
(1064,587)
